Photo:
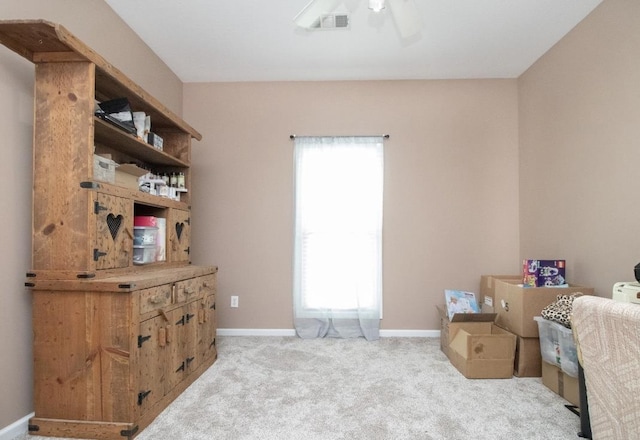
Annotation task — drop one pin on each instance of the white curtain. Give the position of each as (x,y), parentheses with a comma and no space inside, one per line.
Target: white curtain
(338,236)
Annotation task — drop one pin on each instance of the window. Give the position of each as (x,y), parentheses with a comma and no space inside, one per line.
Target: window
(338,227)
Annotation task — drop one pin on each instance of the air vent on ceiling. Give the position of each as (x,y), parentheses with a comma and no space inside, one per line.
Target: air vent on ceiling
(331,21)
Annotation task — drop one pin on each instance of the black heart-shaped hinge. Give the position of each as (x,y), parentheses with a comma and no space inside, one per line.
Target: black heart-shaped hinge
(179,228)
(114,223)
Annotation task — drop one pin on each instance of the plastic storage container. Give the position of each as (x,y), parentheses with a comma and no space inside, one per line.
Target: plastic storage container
(549,342)
(145,220)
(144,254)
(568,351)
(144,235)
(557,346)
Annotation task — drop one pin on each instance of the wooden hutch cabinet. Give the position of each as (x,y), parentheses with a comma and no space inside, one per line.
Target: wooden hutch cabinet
(114,342)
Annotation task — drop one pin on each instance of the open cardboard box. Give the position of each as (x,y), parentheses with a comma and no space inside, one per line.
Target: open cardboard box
(461,321)
(475,346)
(488,288)
(483,355)
(127,175)
(517,305)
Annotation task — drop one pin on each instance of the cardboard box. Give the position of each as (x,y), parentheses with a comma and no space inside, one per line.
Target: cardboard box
(483,354)
(528,361)
(127,175)
(474,322)
(561,383)
(516,305)
(487,290)
(543,273)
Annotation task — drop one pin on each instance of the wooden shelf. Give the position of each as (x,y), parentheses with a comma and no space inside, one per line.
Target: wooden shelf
(124,142)
(138,197)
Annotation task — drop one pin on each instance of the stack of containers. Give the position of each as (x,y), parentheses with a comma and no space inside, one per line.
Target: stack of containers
(559,359)
(145,234)
(557,346)
(527,358)
(516,305)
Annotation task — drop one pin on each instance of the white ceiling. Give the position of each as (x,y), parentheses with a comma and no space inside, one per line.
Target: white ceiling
(257,40)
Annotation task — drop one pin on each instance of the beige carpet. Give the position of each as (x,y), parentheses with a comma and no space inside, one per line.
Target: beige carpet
(286,388)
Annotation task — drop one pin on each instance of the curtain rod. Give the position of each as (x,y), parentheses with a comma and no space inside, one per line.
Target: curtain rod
(386,136)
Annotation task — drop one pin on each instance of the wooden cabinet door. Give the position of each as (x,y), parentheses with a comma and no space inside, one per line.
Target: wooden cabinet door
(178,235)
(207,318)
(207,328)
(114,235)
(191,337)
(67,376)
(152,355)
(182,357)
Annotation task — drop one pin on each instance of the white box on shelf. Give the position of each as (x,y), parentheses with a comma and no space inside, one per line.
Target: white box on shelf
(104,169)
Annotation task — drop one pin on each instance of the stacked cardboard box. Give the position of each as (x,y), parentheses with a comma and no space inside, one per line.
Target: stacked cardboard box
(488,288)
(527,356)
(508,308)
(515,307)
(561,383)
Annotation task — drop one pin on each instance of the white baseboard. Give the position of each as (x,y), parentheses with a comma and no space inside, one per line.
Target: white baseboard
(409,333)
(255,332)
(17,428)
(292,332)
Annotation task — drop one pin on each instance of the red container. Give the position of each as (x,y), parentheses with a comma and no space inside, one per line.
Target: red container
(145,220)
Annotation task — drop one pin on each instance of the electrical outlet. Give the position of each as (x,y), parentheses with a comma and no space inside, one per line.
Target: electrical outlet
(234,302)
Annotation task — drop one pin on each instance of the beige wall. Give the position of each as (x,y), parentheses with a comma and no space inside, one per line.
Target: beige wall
(580,149)
(458,191)
(16,129)
(451,187)
(96,24)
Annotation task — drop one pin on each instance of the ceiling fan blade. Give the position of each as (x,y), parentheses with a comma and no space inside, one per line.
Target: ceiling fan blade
(313,11)
(406,16)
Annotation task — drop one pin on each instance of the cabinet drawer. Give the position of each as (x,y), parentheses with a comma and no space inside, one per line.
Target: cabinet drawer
(188,290)
(155,298)
(208,284)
